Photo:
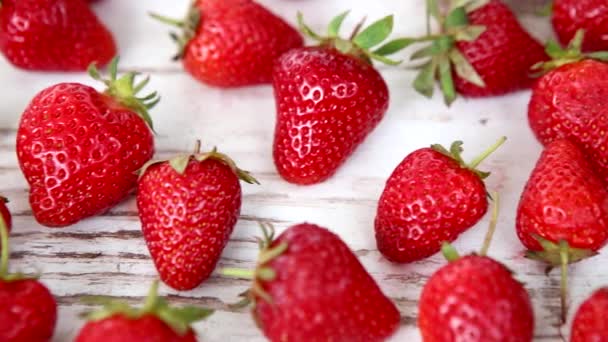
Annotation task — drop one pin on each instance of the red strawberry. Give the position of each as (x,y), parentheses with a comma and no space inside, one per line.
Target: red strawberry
(231,43)
(53,35)
(328,99)
(569,16)
(569,102)
(590,322)
(432,197)
(188,207)
(563,211)
(156,321)
(28,311)
(482,50)
(6,215)
(79,149)
(309,286)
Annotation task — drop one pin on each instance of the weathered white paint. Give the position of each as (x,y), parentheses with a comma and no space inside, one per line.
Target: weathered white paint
(106,255)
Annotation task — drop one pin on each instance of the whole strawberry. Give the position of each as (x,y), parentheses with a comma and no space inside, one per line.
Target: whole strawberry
(53,35)
(309,286)
(432,197)
(156,321)
(562,216)
(481,50)
(569,102)
(28,311)
(231,43)
(188,207)
(569,16)
(590,322)
(328,99)
(79,149)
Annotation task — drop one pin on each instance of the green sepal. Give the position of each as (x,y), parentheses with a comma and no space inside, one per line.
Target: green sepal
(455,153)
(550,253)
(394,46)
(306,30)
(424,83)
(188,26)
(333,29)
(374,34)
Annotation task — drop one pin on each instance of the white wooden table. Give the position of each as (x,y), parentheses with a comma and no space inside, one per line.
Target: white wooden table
(106,255)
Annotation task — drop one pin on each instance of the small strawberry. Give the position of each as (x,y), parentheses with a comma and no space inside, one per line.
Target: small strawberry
(53,35)
(231,43)
(328,99)
(309,286)
(475,298)
(570,16)
(188,207)
(28,311)
(79,149)
(590,323)
(156,321)
(431,197)
(569,101)
(481,50)
(562,216)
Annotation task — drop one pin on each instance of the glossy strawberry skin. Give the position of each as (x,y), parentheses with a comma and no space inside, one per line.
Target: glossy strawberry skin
(475,299)
(563,200)
(118,328)
(327,104)
(237,43)
(570,103)
(53,35)
(502,55)
(79,151)
(28,312)
(570,16)
(590,322)
(323,293)
(187,219)
(427,200)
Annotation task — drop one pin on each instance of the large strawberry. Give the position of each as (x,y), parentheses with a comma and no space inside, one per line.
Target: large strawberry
(188,207)
(231,43)
(53,35)
(562,216)
(481,50)
(156,321)
(79,149)
(590,323)
(475,298)
(431,197)
(570,101)
(569,16)
(309,286)
(328,99)
(28,311)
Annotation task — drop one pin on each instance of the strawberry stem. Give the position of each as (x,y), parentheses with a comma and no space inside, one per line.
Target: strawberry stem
(473,164)
(357,28)
(238,273)
(563,252)
(4,249)
(179,23)
(492,228)
(449,252)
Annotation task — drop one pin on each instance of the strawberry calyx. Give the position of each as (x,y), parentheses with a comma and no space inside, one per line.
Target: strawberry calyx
(361,41)
(179,319)
(572,53)
(180,163)
(442,57)
(456,150)
(188,26)
(124,90)
(5,276)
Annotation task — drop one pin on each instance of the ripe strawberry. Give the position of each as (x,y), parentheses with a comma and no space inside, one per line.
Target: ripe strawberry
(49,35)
(481,50)
(309,286)
(328,99)
(569,101)
(188,207)
(231,43)
(28,311)
(569,16)
(590,322)
(155,321)
(432,197)
(563,211)
(79,149)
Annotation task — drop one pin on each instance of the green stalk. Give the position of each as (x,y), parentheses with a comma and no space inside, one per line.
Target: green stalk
(4,252)
(475,163)
(493,221)
(563,253)
(238,273)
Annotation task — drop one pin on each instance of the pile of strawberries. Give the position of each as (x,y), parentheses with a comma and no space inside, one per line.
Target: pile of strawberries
(83,151)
